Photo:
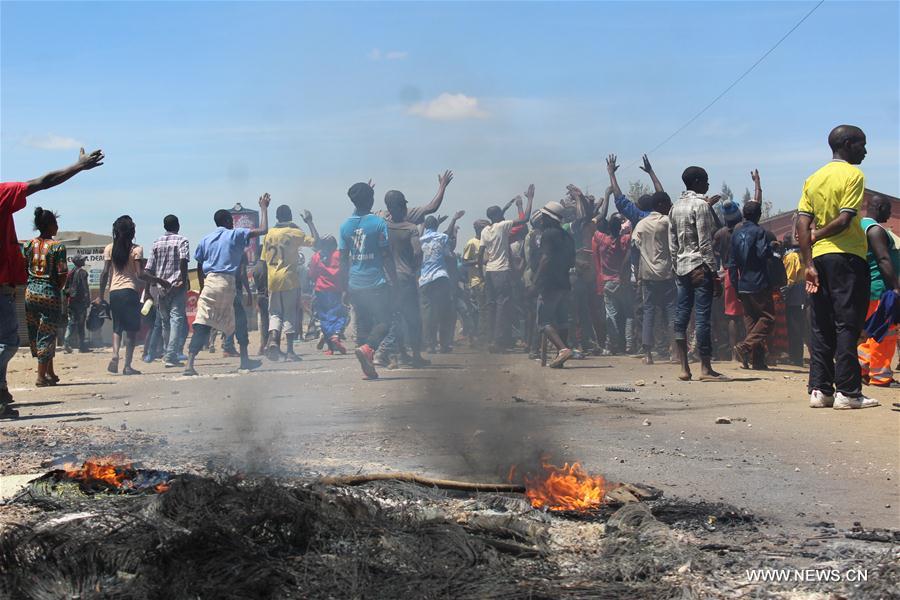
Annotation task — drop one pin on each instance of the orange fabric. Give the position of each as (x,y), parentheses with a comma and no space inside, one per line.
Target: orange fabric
(875,358)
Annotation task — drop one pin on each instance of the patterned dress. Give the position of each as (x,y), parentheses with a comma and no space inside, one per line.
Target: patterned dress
(47,270)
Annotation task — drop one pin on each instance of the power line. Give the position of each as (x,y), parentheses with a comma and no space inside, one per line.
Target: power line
(738,80)
(734,83)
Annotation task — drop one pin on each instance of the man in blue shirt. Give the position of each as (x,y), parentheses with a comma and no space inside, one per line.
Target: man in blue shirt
(367,268)
(434,283)
(219,257)
(749,274)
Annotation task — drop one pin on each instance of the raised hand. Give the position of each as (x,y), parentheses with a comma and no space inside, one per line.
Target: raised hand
(529,193)
(371,184)
(518,201)
(611,165)
(89,161)
(754,175)
(441,219)
(574,191)
(264,201)
(445,179)
(459,215)
(646,168)
(713,199)
(306,216)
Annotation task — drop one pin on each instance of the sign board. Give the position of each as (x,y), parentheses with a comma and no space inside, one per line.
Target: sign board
(245,217)
(93,262)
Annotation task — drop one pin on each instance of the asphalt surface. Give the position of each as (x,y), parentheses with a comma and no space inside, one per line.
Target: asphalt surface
(473,416)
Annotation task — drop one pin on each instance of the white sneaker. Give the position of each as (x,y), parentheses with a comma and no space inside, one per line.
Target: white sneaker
(819,399)
(842,402)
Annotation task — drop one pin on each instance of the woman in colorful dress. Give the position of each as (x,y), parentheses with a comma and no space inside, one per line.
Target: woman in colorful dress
(47,268)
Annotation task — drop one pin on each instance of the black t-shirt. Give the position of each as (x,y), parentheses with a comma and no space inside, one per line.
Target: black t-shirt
(558,248)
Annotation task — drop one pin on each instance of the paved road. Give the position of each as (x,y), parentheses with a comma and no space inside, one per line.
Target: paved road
(475,415)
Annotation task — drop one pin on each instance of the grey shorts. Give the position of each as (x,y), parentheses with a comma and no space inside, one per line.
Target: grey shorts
(285,311)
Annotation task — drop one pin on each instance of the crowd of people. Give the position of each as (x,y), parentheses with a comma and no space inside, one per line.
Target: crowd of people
(697,279)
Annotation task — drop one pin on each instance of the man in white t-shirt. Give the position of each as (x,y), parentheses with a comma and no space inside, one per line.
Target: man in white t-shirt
(494,255)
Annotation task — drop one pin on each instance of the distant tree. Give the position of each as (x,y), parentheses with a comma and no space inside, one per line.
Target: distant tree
(726,193)
(747,196)
(636,189)
(766,209)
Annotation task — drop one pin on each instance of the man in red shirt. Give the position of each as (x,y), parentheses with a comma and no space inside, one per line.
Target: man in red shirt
(12,264)
(611,256)
(324,270)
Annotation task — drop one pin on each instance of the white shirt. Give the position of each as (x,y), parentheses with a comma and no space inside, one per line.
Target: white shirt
(495,241)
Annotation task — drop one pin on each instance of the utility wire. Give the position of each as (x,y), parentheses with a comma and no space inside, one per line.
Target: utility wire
(734,83)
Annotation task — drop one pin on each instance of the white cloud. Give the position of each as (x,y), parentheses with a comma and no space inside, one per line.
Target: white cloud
(377,54)
(449,107)
(51,142)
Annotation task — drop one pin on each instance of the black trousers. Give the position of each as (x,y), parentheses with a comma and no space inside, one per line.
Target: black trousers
(437,313)
(371,314)
(798,333)
(837,315)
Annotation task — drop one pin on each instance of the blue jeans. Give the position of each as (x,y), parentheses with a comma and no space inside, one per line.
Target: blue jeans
(172,313)
(617,298)
(659,298)
(689,298)
(9,333)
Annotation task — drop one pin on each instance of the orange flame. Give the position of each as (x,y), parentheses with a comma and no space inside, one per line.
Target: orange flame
(112,470)
(565,488)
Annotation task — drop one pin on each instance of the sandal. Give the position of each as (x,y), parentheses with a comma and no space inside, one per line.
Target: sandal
(113,366)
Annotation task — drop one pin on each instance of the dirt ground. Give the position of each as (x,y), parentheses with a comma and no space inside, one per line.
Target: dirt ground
(473,416)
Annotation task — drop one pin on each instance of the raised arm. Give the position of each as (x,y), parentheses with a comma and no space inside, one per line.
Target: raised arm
(584,206)
(648,169)
(603,206)
(54,178)
(529,195)
(510,203)
(308,219)
(443,181)
(264,201)
(611,168)
(757,188)
(451,228)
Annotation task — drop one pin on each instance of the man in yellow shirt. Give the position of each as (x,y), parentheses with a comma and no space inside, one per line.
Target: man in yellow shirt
(833,247)
(281,252)
(477,293)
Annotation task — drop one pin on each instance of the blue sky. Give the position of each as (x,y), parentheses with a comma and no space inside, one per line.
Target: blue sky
(201,105)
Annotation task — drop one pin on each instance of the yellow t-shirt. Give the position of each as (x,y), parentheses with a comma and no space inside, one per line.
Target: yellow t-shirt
(793,267)
(281,251)
(835,188)
(470,253)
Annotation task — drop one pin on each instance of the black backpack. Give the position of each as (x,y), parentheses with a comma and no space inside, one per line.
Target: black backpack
(97,314)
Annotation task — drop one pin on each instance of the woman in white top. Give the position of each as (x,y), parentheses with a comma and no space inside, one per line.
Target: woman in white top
(124,272)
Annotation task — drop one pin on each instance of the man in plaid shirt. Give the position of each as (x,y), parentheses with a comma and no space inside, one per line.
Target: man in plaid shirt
(169,260)
(692,223)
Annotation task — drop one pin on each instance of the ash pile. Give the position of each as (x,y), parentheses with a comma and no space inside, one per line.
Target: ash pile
(230,537)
